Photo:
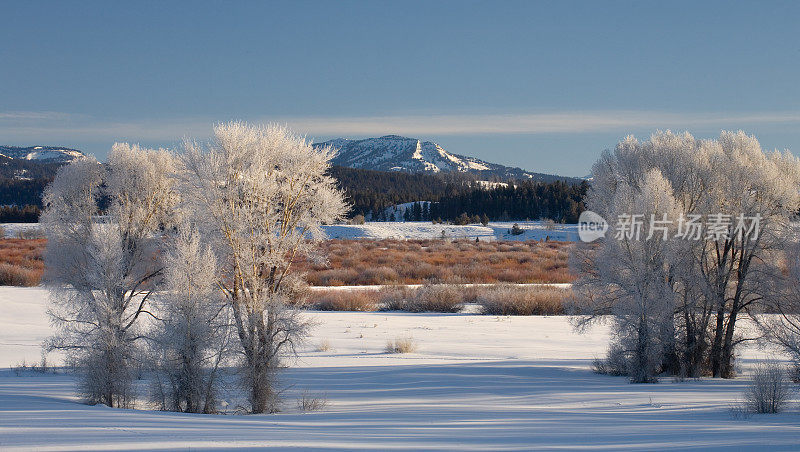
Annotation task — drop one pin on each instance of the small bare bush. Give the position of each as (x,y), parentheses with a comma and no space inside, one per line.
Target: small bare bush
(615,362)
(770,389)
(401,345)
(42,367)
(324,346)
(310,402)
(530,300)
(739,412)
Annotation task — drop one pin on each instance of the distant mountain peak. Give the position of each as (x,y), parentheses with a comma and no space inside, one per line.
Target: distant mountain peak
(44,154)
(412,155)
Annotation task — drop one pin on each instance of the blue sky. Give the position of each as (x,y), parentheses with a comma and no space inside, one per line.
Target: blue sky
(546,86)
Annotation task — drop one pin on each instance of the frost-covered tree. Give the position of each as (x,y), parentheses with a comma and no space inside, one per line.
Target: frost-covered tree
(739,269)
(632,273)
(192,336)
(783,329)
(717,273)
(260,195)
(102,224)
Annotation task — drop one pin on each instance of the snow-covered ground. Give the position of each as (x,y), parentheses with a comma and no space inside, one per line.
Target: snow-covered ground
(12,230)
(475,383)
(534,230)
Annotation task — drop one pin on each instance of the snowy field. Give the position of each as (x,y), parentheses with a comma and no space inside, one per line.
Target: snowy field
(475,383)
(534,230)
(12,230)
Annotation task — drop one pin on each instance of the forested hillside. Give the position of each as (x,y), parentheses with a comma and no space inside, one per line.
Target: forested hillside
(451,195)
(21,185)
(370,192)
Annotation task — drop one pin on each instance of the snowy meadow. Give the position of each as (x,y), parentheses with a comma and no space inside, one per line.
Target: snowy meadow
(475,382)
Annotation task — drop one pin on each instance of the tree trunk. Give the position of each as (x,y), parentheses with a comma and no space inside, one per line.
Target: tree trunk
(726,369)
(716,346)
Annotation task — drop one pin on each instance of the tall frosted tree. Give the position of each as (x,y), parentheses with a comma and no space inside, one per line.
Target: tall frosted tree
(260,195)
(724,269)
(628,277)
(103,225)
(191,337)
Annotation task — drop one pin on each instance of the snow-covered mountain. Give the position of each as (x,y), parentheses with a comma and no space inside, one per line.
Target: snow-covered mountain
(45,154)
(396,153)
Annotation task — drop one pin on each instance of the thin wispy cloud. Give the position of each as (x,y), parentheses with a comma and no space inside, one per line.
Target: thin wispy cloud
(27,127)
(557,122)
(33,115)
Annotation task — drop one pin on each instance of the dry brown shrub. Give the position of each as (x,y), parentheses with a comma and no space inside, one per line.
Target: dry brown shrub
(324,346)
(13,275)
(418,271)
(429,298)
(332,277)
(440,298)
(22,262)
(393,297)
(356,262)
(523,300)
(511,275)
(379,275)
(344,300)
(401,345)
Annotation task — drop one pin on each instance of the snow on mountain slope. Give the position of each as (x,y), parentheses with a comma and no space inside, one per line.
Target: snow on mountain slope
(49,154)
(396,153)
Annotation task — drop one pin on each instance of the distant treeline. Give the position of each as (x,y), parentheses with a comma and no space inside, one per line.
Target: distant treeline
(452,197)
(14,214)
(22,192)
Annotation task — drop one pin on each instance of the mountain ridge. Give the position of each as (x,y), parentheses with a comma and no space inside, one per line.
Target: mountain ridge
(48,154)
(412,155)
